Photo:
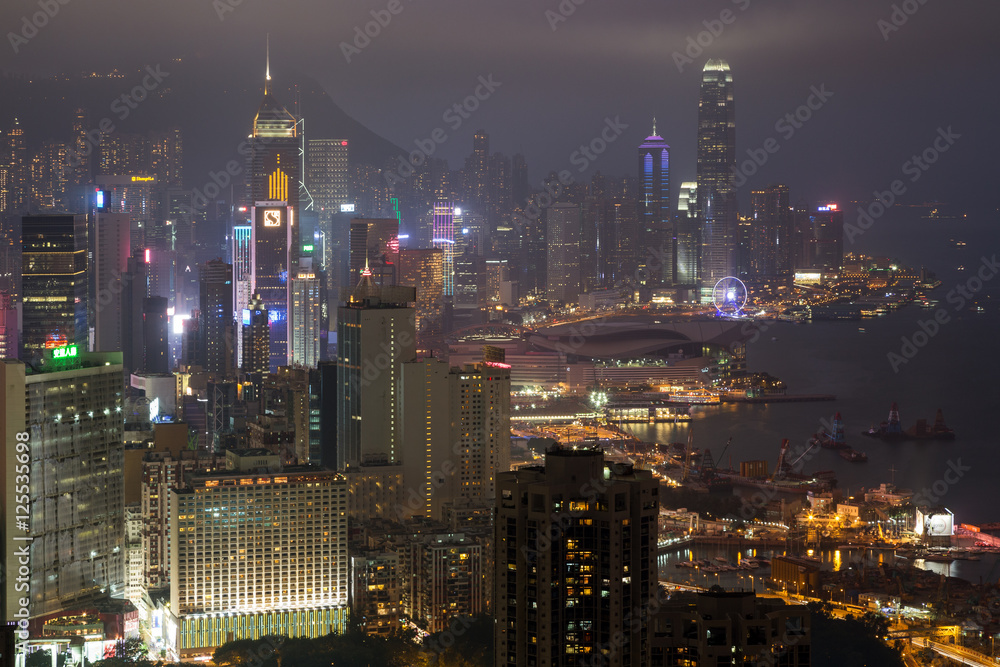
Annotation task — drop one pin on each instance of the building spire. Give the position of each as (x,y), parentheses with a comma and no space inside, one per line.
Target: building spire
(267,67)
(654,126)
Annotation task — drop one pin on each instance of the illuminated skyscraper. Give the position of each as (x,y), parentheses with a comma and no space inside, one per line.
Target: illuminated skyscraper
(477,172)
(256,337)
(242,272)
(304,318)
(717,210)
(423,269)
(8,327)
(15,158)
(686,228)
(443,238)
(216,308)
(575,546)
(69,408)
(326,174)
(273,222)
(374,242)
(49,177)
(284,572)
(657,219)
(375,334)
(770,233)
(563,226)
(274,160)
(54,282)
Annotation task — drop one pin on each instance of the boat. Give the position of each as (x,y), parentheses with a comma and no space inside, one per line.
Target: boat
(937,558)
(861,330)
(828,441)
(695,396)
(853,455)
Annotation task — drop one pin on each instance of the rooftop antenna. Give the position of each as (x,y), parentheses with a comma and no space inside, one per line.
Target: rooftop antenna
(267,67)
(654,126)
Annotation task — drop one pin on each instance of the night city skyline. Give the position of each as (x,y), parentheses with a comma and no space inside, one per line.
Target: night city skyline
(542,333)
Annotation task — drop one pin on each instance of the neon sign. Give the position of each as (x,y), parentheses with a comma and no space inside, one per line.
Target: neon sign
(272,217)
(64,352)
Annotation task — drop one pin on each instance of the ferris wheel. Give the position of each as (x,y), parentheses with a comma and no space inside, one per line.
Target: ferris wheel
(730,296)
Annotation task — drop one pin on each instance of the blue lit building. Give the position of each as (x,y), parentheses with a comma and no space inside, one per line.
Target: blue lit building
(656,246)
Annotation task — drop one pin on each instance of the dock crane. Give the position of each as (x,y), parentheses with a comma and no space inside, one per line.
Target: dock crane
(688,449)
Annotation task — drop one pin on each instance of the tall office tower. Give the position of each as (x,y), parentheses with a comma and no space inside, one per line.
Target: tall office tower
(500,200)
(154,335)
(620,224)
(423,269)
(446,580)
(134,194)
(824,238)
(686,230)
(49,177)
(443,238)
(274,162)
(242,272)
(166,157)
(135,289)
(68,409)
(717,209)
(591,270)
(272,264)
(375,334)
(4,187)
(15,158)
(770,232)
(374,243)
(563,227)
(657,218)
(304,317)
(111,260)
(575,553)
(53,282)
(369,191)
(477,172)
(730,628)
(326,174)
(455,432)
(285,574)
(256,337)
(470,281)
(216,308)
(82,149)
(8,327)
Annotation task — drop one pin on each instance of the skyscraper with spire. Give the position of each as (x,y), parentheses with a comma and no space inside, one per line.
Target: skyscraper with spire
(273,183)
(717,210)
(657,244)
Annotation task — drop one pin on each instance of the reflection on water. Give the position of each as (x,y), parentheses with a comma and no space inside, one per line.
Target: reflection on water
(833,560)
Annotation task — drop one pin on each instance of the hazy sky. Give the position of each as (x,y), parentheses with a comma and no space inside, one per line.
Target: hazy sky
(891,90)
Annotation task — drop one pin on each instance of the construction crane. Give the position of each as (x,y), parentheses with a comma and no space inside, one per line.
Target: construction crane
(688,453)
(728,442)
(792,464)
(778,469)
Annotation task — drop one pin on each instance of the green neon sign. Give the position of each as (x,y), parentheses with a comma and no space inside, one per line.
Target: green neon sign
(64,352)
